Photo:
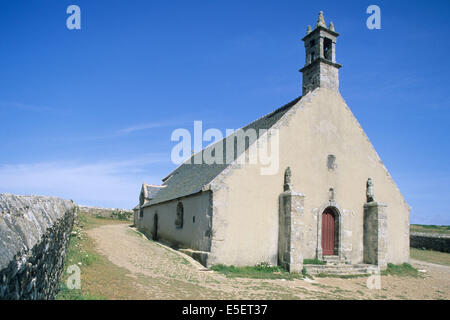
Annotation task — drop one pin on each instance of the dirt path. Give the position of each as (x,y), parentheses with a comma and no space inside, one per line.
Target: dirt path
(158,272)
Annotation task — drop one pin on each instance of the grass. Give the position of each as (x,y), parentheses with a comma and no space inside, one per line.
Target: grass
(402,270)
(437,257)
(313,261)
(74,294)
(121,215)
(260,271)
(100,279)
(430,228)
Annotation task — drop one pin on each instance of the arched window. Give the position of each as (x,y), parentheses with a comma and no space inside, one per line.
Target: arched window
(180,216)
(313,56)
(327,45)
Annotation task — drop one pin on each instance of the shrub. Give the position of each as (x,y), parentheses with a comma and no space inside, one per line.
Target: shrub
(404,269)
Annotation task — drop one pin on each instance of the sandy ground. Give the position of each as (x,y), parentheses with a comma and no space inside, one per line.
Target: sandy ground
(158,272)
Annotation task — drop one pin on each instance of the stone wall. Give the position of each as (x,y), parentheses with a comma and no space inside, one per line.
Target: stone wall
(375,234)
(34,235)
(430,241)
(122,214)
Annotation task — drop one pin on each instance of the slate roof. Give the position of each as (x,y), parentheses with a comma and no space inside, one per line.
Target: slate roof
(152,190)
(190,178)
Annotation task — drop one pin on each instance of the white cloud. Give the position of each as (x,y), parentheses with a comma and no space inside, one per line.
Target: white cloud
(141,127)
(147,126)
(106,184)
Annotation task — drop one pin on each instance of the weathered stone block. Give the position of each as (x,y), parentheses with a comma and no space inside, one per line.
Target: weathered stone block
(375,234)
(291,229)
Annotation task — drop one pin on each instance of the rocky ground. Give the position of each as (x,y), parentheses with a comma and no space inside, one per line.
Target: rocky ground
(132,267)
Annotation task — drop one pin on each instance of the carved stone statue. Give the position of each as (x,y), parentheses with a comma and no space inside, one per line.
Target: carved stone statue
(287,179)
(369,191)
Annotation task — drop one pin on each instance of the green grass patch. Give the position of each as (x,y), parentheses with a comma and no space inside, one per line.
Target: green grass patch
(430,228)
(100,279)
(313,261)
(75,294)
(260,271)
(442,258)
(403,270)
(76,255)
(87,221)
(121,215)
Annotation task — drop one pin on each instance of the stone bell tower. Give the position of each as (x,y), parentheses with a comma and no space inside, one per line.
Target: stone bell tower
(321,69)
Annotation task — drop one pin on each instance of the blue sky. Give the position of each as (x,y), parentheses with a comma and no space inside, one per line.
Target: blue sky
(87,114)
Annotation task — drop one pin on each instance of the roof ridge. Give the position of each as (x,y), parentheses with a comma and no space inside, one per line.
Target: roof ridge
(285,106)
(190,178)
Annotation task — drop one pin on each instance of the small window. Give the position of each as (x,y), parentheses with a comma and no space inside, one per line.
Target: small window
(180,216)
(331,162)
(312,43)
(313,56)
(193,219)
(141,213)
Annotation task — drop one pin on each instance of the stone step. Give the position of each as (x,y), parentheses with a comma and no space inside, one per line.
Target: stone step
(341,269)
(330,258)
(341,266)
(338,272)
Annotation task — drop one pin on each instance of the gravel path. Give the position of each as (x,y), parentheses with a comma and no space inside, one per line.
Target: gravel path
(159,272)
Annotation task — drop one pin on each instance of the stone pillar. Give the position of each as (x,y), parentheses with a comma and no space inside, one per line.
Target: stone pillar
(290,238)
(375,234)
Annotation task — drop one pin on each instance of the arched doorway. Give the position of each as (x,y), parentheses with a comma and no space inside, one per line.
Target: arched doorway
(329,232)
(155,227)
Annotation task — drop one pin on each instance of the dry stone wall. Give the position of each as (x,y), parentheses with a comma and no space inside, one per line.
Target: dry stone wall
(430,241)
(34,235)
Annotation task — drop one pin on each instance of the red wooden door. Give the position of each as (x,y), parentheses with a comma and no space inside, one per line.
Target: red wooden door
(328,232)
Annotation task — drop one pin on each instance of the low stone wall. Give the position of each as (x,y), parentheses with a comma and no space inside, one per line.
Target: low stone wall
(430,241)
(34,235)
(121,214)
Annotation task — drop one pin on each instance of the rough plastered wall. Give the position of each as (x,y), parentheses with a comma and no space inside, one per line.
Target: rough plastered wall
(245,205)
(34,234)
(195,233)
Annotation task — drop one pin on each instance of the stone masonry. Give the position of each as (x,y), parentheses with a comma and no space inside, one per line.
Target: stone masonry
(291,227)
(34,235)
(375,234)
(430,241)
